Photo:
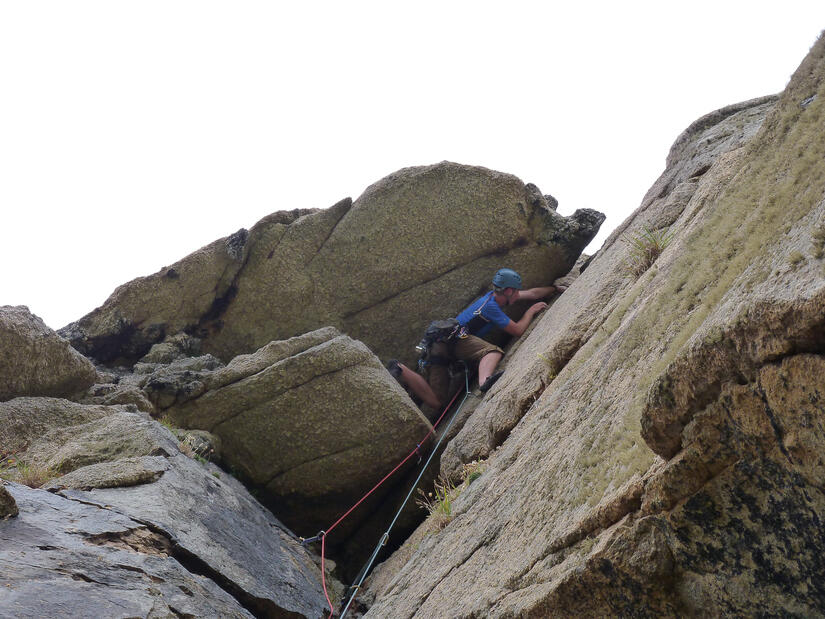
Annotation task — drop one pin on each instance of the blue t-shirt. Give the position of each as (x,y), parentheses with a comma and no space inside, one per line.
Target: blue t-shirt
(491,311)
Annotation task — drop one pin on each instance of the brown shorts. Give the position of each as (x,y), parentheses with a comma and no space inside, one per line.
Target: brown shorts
(470,348)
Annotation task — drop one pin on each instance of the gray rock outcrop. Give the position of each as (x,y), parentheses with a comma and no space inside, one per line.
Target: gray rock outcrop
(35,361)
(64,558)
(313,421)
(136,523)
(8,506)
(414,247)
(660,437)
(212,521)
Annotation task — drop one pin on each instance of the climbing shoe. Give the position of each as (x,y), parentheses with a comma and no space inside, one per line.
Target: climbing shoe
(393,368)
(490,381)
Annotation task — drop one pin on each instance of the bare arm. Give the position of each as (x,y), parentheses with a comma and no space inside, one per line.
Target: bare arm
(532,294)
(517,328)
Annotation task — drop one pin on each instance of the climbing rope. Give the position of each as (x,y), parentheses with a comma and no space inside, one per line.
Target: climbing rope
(383,541)
(322,535)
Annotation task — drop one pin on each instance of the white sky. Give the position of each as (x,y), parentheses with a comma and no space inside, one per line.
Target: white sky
(133,133)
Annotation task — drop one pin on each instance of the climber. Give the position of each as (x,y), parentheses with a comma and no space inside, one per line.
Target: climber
(460,339)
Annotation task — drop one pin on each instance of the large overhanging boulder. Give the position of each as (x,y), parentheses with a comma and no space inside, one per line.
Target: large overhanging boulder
(34,360)
(416,246)
(313,421)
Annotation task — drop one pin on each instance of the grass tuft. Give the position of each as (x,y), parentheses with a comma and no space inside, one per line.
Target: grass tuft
(645,247)
(34,475)
(197,450)
(439,501)
(795,257)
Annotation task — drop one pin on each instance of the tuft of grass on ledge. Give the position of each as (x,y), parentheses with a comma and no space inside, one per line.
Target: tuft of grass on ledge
(439,501)
(645,247)
(33,475)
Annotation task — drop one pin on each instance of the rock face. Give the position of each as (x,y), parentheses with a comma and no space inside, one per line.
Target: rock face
(136,528)
(61,436)
(414,247)
(63,558)
(8,506)
(35,361)
(314,421)
(712,138)
(660,438)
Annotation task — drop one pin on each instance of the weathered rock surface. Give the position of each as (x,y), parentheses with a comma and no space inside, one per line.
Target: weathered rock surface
(314,421)
(183,379)
(112,393)
(8,506)
(115,474)
(61,436)
(667,460)
(62,558)
(34,360)
(173,348)
(227,549)
(588,306)
(212,521)
(411,249)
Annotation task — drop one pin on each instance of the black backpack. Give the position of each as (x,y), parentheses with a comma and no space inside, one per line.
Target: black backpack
(438,331)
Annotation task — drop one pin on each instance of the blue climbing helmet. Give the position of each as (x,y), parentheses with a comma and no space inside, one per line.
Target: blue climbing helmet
(507,278)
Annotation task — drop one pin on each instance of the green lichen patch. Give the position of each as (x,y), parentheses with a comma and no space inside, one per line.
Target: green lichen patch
(782,181)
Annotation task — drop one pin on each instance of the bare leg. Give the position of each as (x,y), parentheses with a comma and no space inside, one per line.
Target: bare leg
(487,366)
(419,386)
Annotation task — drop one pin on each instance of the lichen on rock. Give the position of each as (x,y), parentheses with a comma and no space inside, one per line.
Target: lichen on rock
(670,463)
(34,360)
(414,247)
(8,506)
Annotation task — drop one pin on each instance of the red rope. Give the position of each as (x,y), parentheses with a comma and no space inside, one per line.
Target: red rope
(363,498)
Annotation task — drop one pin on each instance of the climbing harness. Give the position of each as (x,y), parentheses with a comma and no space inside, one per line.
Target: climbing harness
(322,536)
(448,331)
(438,331)
(478,320)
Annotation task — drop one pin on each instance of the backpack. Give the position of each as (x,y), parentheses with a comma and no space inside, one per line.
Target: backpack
(438,331)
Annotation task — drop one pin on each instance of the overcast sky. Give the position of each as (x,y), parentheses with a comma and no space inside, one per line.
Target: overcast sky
(133,133)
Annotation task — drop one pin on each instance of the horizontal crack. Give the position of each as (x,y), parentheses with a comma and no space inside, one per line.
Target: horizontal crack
(391,296)
(277,393)
(315,459)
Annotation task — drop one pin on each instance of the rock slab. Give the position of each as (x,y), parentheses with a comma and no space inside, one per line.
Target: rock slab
(34,360)
(63,558)
(314,421)
(223,554)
